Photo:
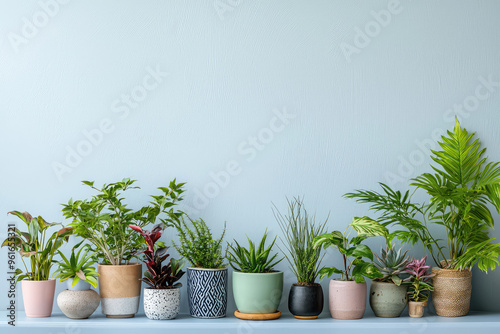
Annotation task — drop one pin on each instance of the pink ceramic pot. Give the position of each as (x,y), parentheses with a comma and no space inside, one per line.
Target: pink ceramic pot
(347,299)
(38,297)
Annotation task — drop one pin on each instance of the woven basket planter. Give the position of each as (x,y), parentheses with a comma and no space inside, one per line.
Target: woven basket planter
(452,292)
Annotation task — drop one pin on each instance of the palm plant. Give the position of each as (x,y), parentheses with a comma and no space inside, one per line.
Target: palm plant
(461,188)
(252,260)
(78,267)
(300,229)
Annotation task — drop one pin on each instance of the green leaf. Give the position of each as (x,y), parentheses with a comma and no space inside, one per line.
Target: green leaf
(362,251)
(366,226)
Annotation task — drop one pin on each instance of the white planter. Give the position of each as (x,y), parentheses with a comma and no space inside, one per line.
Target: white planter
(78,304)
(162,304)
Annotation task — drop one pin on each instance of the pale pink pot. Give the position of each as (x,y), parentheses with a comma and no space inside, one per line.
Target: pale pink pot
(38,297)
(347,299)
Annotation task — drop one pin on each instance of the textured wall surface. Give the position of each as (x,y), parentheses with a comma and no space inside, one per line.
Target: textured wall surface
(247,101)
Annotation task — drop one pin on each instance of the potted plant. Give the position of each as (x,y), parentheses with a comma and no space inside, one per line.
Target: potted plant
(207,276)
(461,188)
(39,246)
(348,294)
(257,287)
(103,221)
(388,296)
(419,286)
(163,297)
(79,301)
(305,300)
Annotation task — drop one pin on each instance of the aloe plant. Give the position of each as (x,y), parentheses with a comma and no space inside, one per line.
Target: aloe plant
(254,259)
(36,245)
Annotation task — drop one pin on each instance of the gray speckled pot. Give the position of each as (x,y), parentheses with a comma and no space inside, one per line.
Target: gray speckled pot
(78,304)
(162,304)
(388,300)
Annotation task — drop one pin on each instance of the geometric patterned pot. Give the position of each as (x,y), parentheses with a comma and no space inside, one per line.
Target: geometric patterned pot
(207,292)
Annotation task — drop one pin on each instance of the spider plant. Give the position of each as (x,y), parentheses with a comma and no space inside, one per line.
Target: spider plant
(300,229)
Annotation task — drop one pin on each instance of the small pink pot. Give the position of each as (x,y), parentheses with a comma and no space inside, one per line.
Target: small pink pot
(347,299)
(38,297)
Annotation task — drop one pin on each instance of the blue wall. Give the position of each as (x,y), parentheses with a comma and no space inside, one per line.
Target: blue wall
(247,101)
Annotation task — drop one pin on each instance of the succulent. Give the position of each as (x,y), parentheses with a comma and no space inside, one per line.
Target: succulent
(391,264)
(252,260)
(419,280)
(159,276)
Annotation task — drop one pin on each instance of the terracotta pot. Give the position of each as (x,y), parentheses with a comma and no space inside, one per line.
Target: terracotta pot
(452,292)
(207,292)
(416,309)
(388,300)
(38,297)
(305,302)
(347,299)
(120,289)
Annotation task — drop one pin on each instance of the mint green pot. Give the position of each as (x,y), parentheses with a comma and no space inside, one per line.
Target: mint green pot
(257,293)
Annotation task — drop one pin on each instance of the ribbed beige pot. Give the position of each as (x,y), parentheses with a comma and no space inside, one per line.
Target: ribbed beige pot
(452,292)
(120,289)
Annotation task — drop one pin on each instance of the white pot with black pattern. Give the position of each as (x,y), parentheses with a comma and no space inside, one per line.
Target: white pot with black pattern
(207,292)
(162,304)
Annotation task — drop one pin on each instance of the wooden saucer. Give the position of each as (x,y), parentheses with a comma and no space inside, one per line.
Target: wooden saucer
(306,318)
(252,316)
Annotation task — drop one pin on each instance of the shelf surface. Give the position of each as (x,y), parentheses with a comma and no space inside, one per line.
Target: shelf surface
(485,323)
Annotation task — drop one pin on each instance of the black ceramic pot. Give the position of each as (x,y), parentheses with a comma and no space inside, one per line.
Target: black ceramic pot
(305,302)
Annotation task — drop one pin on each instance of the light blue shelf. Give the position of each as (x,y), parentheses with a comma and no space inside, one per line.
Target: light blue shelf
(484,323)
